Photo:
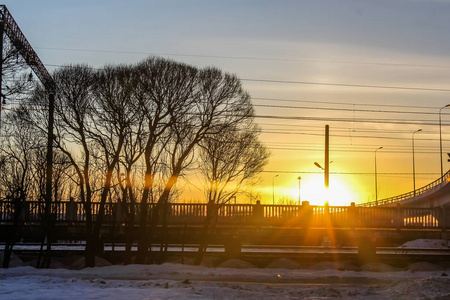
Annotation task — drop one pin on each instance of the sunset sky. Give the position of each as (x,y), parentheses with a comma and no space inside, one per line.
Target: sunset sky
(374,71)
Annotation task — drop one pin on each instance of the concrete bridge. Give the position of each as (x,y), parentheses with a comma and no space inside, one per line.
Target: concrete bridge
(434,194)
(423,214)
(250,224)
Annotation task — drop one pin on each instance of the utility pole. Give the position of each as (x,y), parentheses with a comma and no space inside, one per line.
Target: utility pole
(376,183)
(414,165)
(273,189)
(327,156)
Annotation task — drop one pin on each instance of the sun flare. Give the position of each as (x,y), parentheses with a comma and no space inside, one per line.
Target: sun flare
(339,193)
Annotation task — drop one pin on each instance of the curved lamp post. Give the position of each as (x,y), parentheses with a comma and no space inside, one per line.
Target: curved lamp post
(414,166)
(299,178)
(376,184)
(440,137)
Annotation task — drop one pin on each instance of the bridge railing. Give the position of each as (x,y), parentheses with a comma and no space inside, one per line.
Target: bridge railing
(409,195)
(244,215)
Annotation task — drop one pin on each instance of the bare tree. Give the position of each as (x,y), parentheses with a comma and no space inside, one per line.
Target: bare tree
(217,102)
(128,182)
(74,109)
(164,91)
(115,113)
(157,111)
(230,163)
(21,146)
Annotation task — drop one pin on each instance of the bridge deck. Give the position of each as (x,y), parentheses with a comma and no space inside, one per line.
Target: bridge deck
(434,194)
(252,224)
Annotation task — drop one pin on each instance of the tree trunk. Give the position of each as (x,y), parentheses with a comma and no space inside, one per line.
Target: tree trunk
(12,236)
(143,240)
(208,226)
(90,247)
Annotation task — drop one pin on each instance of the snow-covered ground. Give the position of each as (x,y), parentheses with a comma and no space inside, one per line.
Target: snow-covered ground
(233,279)
(176,281)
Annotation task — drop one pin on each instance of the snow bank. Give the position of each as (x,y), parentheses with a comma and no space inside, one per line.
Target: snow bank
(169,281)
(377,267)
(427,243)
(236,264)
(234,279)
(283,263)
(14,260)
(80,263)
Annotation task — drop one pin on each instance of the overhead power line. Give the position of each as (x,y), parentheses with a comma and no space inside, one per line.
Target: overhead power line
(348,120)
(350,150)
(348,85)
(354,104)
(345,173)
(356,120)
(348,130)
(348,109)
(249,58)
(331,84)
(346,136)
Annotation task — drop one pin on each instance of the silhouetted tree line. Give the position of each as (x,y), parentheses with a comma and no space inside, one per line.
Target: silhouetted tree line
(126,134)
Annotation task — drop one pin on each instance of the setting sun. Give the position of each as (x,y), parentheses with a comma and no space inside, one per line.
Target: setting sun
(338,194)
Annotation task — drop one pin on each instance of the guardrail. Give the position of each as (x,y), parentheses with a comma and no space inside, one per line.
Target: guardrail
(194,214)
(409,195)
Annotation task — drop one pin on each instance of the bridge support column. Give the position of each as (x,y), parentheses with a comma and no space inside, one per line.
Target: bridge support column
(352,215)
(367,250)
(233,247)
(258,214)
(399,220)
(71,210)
(305,214)
(445,218)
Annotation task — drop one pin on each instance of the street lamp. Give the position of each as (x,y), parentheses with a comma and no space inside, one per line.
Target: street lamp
(273,189)
(376,184)
(299,178)
(414,166)
(326,173)
(440,137)
(319,166)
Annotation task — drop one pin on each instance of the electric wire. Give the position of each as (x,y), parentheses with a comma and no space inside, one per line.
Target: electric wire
(247,57)
(330,84)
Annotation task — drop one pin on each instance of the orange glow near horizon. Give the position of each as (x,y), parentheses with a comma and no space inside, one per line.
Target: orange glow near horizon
(339,192)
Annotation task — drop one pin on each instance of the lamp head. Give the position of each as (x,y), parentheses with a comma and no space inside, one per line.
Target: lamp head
(317,165)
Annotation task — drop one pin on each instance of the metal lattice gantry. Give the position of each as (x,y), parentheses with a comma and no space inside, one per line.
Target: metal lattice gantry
(9,26)
(21,43)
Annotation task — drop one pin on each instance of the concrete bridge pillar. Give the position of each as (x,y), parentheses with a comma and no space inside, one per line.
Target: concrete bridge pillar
(352,215)
(71,210)
(444,218)
(233,247)
(120,209)
(258,213)
(306,213)
(24,212)
(398,217)
(367,250)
